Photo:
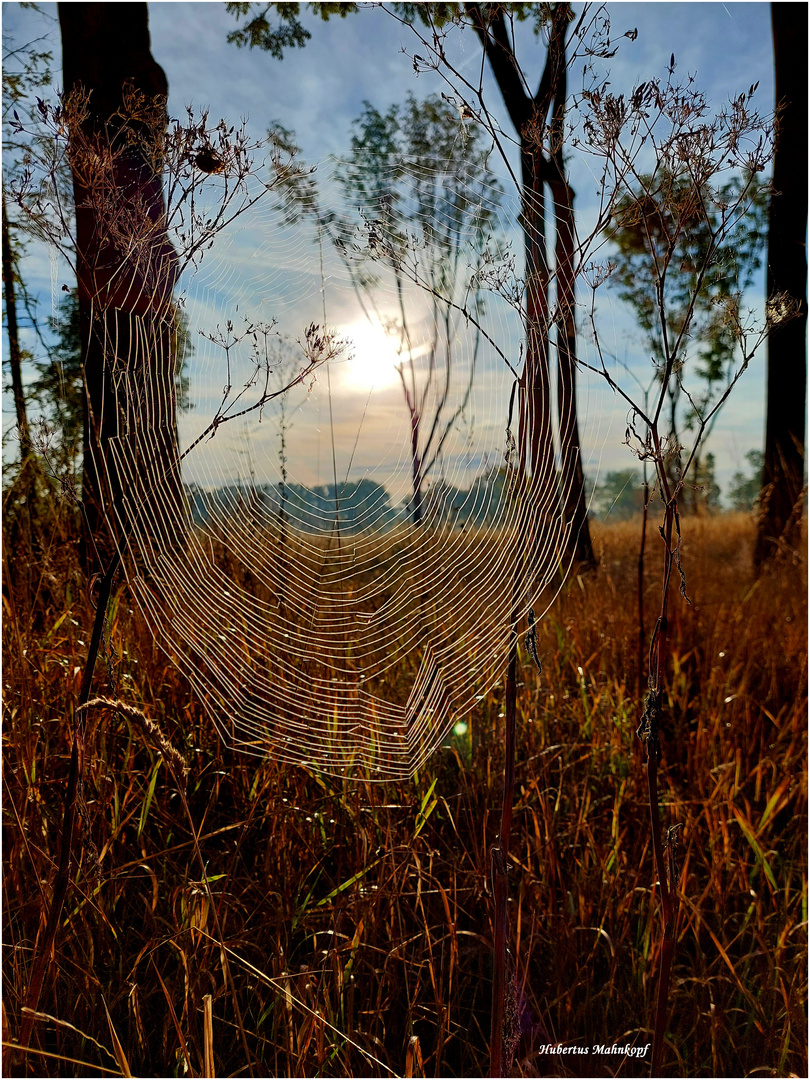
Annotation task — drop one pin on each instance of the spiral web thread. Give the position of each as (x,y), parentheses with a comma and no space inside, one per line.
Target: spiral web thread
(316,621)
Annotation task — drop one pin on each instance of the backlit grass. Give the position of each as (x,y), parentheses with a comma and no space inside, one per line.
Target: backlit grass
(354,916)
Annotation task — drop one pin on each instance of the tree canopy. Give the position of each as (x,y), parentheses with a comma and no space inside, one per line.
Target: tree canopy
(664,233)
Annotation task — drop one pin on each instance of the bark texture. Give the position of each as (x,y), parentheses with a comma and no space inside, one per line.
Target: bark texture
(783,472)
(126,274)
(529,116)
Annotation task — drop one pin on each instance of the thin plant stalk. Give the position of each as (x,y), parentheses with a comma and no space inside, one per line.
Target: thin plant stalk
(500,858)
(179,770)
(75,775)
(76,771)
(648,732)
(642,632)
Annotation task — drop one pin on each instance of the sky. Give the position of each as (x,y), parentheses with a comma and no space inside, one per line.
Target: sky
(272,270)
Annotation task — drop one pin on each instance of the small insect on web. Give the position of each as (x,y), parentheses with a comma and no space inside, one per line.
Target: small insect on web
(209,162)
(531,640)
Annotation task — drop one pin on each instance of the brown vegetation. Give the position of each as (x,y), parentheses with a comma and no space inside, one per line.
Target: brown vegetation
(332,921)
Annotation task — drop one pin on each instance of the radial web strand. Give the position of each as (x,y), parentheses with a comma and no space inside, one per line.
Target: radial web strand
(335,563)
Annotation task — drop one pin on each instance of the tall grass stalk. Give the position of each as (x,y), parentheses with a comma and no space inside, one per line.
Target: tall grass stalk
(499,856)
(74,782)
(389,956)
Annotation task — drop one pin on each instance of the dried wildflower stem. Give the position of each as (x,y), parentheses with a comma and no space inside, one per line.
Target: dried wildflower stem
(642,634)
(648,732)
(500,857)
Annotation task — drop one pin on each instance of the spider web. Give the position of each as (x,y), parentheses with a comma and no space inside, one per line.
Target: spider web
(324,609)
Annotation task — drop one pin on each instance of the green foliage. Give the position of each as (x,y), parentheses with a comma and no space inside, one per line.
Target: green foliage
(428,177)
(429,215)
(296,180)
(440,15)
(184,348)
(58,386)
(363,504)
(25,69)
(664,232)
(744,490)
(258,32)
(702,489)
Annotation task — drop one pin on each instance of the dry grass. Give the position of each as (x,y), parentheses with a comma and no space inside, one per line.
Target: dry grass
(355,916)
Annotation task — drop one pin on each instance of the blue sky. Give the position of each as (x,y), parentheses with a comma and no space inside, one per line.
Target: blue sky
(317,92)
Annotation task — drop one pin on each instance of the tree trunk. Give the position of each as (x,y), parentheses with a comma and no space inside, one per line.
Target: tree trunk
(126,273)
(572,478)
(783,471)
(535,429)
(14,357)
(529,117)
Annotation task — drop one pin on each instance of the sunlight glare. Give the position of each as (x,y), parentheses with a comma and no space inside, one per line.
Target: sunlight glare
(375,357)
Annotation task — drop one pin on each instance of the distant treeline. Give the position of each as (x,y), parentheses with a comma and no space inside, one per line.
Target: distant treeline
(364,504)
(358,505)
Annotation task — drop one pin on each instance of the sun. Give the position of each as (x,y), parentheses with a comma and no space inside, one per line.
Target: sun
(375,356)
